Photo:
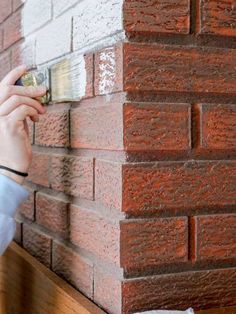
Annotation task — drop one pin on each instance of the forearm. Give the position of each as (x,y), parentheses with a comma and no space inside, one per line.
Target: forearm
(12,194)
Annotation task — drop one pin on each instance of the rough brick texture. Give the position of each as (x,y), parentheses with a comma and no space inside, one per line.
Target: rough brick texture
(52,214)
(53,129)
(157,127)
(218,127)
(170,292)
(74,268)
(177,185)
(199,70)
(86,232)
(133,187)
(215,237)
(154,242)
(217,17)
(165,16)
(38,244)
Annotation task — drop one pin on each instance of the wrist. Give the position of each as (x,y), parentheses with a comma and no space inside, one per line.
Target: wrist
(18,179)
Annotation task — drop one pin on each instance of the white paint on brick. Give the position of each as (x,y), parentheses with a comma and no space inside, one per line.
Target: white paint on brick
(35,14)
(54,40)
(25,54)
(107,71)
(96,19)
(60,6)
(98,24)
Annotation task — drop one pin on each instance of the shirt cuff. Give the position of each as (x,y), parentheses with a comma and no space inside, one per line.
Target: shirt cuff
(12,195)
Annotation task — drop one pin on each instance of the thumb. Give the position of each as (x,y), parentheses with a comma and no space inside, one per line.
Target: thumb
(22,112)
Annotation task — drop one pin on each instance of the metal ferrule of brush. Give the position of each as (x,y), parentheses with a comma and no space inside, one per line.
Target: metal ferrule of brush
(37,78)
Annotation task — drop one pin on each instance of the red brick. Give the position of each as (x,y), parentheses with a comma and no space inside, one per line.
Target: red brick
(53,129)
(157,126)
(12,29)
(27,208)
(95,234)
(146,126)
(107,294)
(5,9)
(24,53)
(215,237)
(178,185)
(17,4)
(109,70)
(153,242)
(200,290)
(142,188)
(106,133)
(37,244)
(72,175)
(39,170)
(166,16)
(71,266)
(168,68)
(108,183)
(5,64)
(218,127)
(217,17)
(52,214)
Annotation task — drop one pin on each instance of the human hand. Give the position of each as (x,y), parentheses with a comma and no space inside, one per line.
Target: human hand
(16,104)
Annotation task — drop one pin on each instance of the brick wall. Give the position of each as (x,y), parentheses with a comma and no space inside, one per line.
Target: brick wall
(133,189)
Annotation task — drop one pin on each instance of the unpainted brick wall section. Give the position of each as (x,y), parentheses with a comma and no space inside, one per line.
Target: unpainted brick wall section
(133,189)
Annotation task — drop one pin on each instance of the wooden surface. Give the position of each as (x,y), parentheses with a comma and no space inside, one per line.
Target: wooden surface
(26,286)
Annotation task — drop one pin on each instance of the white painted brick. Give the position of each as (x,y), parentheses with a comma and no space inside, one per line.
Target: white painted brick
(35,14)
(60,6)
(95,20)
(107,70)
(54,40)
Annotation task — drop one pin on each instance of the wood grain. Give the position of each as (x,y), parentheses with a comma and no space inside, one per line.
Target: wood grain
(27,286)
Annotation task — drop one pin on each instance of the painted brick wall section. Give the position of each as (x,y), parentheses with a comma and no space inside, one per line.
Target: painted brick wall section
(133,189)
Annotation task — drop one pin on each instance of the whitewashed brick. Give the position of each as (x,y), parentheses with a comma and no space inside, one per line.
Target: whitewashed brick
(54,40)
(60,6)
(95,20)
(24,53)
(35,14)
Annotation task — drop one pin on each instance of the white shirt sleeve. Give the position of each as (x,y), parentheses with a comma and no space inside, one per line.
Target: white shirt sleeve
(12,195)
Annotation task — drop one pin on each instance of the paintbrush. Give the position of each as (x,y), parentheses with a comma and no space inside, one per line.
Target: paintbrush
(62,80)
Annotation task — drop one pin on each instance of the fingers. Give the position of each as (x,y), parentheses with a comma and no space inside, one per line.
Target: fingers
(7,91)
(15,101)
(22,112)
(14,75)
